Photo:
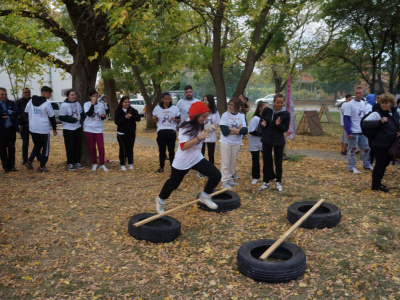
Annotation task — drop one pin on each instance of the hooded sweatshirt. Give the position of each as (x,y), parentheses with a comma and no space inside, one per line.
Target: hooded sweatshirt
(41,115)
(273,135)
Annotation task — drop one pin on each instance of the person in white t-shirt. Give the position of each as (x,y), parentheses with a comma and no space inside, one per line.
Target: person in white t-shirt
(233,126)
(70,115)
(188,156)
(211,124)
(353,114)
(93,129)
(167,117)
(41,115)
(344,138)
(185,103)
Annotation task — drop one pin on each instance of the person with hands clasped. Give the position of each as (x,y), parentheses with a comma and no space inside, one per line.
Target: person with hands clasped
(233,126)
(93,128)
(126,118)
(188,156)
(274,122)
(386,121)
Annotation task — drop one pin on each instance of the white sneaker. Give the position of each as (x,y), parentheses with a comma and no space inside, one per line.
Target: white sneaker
(279,187)
(254,181)
(225,185)
(123,168)
(160,203)
(232,183)
(206,199)
(104,168)
(354,170)
(264,186)
(371,168)
(94,168)
(131,167)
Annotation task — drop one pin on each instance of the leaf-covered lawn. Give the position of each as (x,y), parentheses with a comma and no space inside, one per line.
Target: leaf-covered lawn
(63,235)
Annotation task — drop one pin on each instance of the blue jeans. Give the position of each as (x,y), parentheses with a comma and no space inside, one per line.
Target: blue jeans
(362,142)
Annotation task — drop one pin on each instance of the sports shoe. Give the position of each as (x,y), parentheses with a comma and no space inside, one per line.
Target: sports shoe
(160,170)
(381,188)
(70,167)
(41,170)
(45,169)
(94,168)
(104,168)
(354,170)
(279,187)
(206,200)
(264,186)
(123,168)
(254,181)
(160,203)
(201,175)
(131,167)
(232,183)
(371,168)
(226,185)
(79,166)
(29,165)
(235,177)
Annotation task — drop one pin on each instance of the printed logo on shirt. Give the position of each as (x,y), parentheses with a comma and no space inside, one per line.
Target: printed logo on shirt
(166,119)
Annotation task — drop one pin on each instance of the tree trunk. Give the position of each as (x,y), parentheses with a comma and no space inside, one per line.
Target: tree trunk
(110,87)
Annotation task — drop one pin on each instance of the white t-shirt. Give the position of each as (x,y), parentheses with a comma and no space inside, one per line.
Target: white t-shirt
(183,106)
(212,119)
(254,141)
(94,124)
(233,121)
(72,109)
(164,116)
(355,109)
(186,159)
(39,117)
(367,108)
(342,109)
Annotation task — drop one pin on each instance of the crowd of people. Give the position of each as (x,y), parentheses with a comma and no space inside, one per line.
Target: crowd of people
(196,122)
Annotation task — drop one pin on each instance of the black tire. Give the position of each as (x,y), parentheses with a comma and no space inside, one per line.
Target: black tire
(325,216)
(291,264)
(226,201)
(161,230)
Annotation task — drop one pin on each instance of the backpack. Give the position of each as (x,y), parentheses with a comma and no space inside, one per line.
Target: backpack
(369,132)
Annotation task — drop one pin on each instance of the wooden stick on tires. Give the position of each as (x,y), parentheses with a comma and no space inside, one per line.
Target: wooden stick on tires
(275,245)
(174,209)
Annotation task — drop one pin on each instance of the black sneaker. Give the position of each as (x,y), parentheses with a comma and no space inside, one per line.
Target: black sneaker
(45,169)
(79,166)
(160,170)
(381,188)
(70,167)
(29,165)
(40,170)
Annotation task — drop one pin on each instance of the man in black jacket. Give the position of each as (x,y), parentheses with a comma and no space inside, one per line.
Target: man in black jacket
(23,122)
(8,131)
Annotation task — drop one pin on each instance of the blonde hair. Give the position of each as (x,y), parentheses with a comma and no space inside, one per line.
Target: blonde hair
(387,97)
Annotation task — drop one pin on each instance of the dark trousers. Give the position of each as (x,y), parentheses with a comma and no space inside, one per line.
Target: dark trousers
(41,148)
(72,141)
(268,169)
(8,136)
(126,142)
(211,151)
(255,166)
(382,160)
(25,143)
(204,167)
(166,140)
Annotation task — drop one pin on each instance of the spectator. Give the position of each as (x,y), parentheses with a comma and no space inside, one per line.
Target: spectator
(23,121)
(41,115)
(185,103)
(70,115)
(344,138)
(398,105)
(8,131)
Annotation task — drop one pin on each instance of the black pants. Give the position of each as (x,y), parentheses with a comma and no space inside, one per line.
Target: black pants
(25,143)
(126,143)
(72,141)
(41,148)
(268,169)
(255,166)
(382,160)
(211,151)
(8,136)
(204,167)
(166,140)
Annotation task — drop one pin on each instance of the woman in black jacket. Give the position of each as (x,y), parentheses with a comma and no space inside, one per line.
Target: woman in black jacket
(126,118)
(386,121)
(274,122)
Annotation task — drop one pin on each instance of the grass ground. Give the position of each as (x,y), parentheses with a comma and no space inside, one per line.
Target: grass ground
(63,235)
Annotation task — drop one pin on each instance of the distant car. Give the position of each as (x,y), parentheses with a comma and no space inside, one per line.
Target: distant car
(56,107)
(268,99)
(138,104)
